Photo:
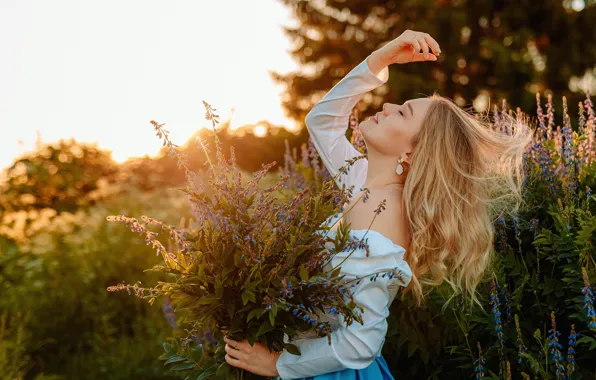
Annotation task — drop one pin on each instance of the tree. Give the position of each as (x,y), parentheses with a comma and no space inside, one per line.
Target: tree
(495,49)
(56,175)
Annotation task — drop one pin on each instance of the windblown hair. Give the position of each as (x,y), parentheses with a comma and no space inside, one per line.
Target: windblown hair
(464,175)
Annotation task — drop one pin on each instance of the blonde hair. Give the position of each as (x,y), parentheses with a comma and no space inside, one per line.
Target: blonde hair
(464,175)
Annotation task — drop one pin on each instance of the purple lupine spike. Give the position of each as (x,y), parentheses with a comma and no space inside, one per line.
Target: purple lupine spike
(521,347)
(305,155)
(572,339)
(479,363)
(555,348)
(590,127)
(540,117)
(588,299)
(569,174)
(496,118)
(550,116)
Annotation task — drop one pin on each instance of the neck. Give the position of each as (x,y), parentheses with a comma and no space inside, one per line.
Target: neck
(381,173)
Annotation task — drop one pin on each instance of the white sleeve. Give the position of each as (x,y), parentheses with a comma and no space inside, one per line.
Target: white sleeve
(329,118)
(354,346)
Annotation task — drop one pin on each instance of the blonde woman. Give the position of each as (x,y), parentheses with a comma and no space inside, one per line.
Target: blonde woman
(444,176)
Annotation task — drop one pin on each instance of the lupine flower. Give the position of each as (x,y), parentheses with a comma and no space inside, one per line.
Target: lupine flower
(479,363)
(590,126)
(550,116)
(366,195)
(568,155)
(571,351)
(345,169)
(494,302)
(540,117)
(168,311)
(357,139)
(588,300)
(507,302)
(304,153)
(555,348)
(381,207)
(521,348)
(516,227)
(534,226)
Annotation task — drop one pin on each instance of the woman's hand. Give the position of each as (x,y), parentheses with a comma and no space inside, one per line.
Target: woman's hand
(256,359)
(406,48)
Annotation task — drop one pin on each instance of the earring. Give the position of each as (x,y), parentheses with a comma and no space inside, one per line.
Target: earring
(400,168)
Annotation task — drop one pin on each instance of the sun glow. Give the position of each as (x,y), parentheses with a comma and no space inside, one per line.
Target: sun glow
(71,76)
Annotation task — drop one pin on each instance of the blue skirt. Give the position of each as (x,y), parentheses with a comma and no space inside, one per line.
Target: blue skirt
(377,370)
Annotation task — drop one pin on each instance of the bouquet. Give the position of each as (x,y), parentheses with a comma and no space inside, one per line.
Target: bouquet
(254,265)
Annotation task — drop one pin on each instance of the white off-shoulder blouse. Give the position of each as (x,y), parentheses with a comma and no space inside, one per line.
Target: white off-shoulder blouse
(354,346)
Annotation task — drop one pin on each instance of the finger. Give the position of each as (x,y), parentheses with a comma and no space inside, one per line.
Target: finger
(231,342)
(416,45)
(233,361)
(234,353)
(434,45)
(424,47)
(419,57)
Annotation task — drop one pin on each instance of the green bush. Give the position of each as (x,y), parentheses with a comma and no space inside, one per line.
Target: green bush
(538,283)
(56,267)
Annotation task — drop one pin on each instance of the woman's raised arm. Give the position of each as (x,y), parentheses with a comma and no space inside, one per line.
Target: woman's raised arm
(328,120)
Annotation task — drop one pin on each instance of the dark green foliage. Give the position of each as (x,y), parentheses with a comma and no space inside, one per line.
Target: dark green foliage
(52,286)
(503,49)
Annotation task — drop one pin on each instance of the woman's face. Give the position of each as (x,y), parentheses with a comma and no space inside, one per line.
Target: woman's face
(392,133)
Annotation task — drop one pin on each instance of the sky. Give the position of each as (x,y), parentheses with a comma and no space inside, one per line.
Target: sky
(100,71)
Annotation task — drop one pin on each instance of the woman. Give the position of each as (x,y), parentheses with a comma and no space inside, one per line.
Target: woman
(445,175)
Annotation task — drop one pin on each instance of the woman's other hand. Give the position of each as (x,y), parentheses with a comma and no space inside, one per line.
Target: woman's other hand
(256,359)
(406,48)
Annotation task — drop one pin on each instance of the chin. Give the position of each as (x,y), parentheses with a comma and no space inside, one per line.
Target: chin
(366,124)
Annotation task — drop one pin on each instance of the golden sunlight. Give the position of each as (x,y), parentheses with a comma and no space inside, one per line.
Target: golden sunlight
(260,131)
(155,61)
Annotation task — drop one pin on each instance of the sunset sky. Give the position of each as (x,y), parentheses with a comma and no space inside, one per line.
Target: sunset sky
(100,71)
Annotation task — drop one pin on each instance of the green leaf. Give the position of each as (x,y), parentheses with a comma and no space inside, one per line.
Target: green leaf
(193,375)
(289,330)
(587,339)
(204,375)
(271,319)
(226,272)
(197,353)
(207,299)
(412,347)
(303,273)
(292,349)
(175,359)
(265,328)
(175,345)
(169,349)
(182,366)
(335,273)
(255,313)
(223,370)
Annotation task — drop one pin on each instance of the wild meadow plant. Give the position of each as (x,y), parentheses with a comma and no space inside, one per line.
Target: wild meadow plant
(255,263)
(543,263)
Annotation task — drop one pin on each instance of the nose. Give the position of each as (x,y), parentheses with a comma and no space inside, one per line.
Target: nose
(387,107)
